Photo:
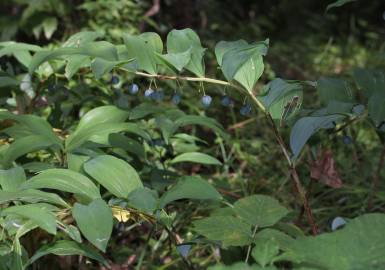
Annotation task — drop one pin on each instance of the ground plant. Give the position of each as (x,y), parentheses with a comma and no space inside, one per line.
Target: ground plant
(114,154)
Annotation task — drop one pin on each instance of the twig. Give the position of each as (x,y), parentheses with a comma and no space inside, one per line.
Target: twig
(151,12)
(295,177)
(175,241)
(241,124)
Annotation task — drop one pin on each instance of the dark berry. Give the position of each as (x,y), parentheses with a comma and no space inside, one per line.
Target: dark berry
(51,87)
(358,109)
(347,139)
(114,79)
(206,101)
(226,101)
(133,89)
(176,98)
(148,93)
(158,95)
(245,110)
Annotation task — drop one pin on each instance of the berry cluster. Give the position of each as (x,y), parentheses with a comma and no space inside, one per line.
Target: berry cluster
(158,95)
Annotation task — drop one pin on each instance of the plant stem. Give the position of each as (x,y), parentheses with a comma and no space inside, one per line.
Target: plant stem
(249,247)
(294,175)
(175,242)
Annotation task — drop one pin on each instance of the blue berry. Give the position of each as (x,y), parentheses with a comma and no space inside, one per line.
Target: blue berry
(245,110)
(206,101)
(158,95)
(148,93)
(114,79)
(176,98)
(133,89)
(226,101)
(347,139)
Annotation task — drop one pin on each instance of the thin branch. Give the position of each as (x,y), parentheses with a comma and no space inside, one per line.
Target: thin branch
(249,247)
(295,177)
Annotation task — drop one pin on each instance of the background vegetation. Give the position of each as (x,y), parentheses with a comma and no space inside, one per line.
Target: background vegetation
(342,170)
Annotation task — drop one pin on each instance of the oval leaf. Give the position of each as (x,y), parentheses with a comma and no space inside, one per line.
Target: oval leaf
(43,218)
(65,180)
(116,175)
(190,187)
(196,157)
(95,222)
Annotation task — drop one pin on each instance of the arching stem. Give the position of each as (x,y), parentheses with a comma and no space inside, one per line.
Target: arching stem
(293,172)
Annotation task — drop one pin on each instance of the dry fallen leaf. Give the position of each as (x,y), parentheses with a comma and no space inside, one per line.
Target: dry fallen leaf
(324,170)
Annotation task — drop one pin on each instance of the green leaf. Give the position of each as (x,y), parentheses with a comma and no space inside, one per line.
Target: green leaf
(181,41)
(144,48)
(116,175)
(359,245)
(243,62)
(231,231)
(130,145)
(338,3)
(176,61)
(376,107)
(18,255)
(25,228)
(249,73)
(143,110)
(271,235)
(97,124)
(102,114)
(260,210)
(7,81)
(33,125)
(49,26)
(43,218)
(200,120)
(333,89)
(143,199)
(74,63)
(95,222)
(101,66)
(11,179)
(65,180)
(81,38)
(101,49)
(24,146)
(24,57)
(196,157)
(36,166)
(67,248)
(190,187)
(72,231)
(264,254)
(369,81)
(100,133)
(31,196)
(223,46)
(282,99)
(305,127)
(11,47)
(338,107)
